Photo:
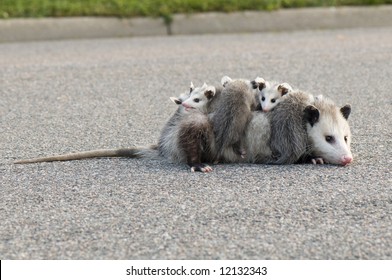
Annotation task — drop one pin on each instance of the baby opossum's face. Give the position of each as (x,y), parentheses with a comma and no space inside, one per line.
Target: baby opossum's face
(199,98)
(269,99)
(329,134)
(272,94)
(196,101)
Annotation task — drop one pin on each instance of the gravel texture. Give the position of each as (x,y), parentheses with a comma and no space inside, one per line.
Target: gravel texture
(63,96)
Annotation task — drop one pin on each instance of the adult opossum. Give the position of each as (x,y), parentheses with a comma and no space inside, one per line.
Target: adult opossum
(301,128)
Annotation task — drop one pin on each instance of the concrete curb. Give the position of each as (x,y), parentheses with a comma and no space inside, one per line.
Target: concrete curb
(13,30)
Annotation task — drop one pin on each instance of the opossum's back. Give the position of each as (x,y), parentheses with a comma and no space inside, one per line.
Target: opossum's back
(172,139)
(289,139)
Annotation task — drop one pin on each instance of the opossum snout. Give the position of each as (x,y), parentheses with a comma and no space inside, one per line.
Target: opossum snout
(186,105)
(346,160)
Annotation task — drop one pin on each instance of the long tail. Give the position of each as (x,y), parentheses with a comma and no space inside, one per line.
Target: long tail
(136,152)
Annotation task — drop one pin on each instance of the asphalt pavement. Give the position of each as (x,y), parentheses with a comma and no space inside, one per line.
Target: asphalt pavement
(75,95)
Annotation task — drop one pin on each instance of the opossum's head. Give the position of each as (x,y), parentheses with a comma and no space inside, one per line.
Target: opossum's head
(272,93)
(183,96)
(328,131)
(198,98)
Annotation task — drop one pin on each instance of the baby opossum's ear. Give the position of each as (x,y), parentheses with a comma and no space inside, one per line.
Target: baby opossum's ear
(225,80)
(176,100)
(191,87)
(346,110)
(284,88)
(258,83)
(311,114)
(209,92)
(319,97)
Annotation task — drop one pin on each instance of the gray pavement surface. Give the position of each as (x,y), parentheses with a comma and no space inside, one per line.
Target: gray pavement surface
(63,96)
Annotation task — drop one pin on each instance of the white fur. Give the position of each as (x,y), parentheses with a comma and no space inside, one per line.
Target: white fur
(331,123)
(225,80)
(260,80)
(270,96)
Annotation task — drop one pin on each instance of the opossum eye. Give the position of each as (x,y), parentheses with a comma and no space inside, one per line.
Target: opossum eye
(197,100)
(345,139)
(330,139)
(273,100)
(263,99)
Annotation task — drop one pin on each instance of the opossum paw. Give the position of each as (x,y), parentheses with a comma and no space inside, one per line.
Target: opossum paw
(201,167)
(318,160)
(243,154)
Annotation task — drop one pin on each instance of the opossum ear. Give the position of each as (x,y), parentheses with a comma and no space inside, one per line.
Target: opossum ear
(284,88)
(209,92)
(191,87)
(258,83)
(225,80)
(346,110)
(311,114)
(319,97)
(176,100)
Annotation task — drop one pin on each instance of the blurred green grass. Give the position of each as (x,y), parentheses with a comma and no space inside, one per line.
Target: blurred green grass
(155,8)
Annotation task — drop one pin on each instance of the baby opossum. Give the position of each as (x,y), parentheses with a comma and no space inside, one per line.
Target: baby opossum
(188,136)
(272,93)
(233,113)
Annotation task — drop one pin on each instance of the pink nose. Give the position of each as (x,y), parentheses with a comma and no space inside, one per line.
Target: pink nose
(346,160)
(185,105)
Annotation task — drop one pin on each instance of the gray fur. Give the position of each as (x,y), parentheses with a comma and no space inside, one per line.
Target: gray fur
(288,141)
(257,138)
(232,115)
(168,140)
(175,135)
(188,135)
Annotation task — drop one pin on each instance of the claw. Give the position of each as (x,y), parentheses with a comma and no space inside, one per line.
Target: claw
(201,167)
(317,160)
